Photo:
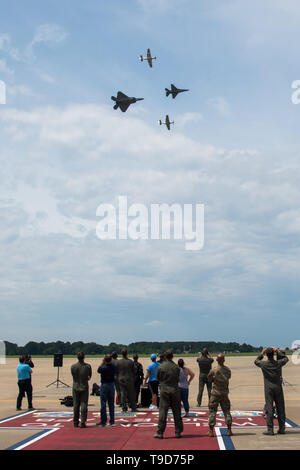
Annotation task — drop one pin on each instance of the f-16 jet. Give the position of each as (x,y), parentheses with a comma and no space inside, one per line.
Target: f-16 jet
(167,123)
(149,58)
(174,91)
(123,101)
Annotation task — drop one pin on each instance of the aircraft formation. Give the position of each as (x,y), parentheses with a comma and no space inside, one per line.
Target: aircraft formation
(123,101)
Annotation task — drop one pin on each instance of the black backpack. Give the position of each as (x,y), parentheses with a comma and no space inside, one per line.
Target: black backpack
(96,390)
(67,401)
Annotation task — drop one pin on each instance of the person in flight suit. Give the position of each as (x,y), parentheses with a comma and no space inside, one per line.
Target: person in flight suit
(272,372)
(168,377)
(219,377)
(138,376)
(205,362)
(81,373)
(125,375)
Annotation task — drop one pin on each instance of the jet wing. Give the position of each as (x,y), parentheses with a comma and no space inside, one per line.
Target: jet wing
(121,96)
(124,106)
(174,91)
(168,122)
(149,58)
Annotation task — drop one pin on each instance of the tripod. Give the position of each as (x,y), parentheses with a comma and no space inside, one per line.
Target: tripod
(57,381)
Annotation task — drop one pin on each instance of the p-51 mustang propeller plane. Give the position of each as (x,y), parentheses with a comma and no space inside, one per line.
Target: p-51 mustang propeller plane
(167,122)
(149,58)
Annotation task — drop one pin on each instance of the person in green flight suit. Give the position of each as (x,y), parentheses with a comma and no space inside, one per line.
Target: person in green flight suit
(168,377)
(204,362)
(272,373)
(219,377)
(125,376)
(81,373)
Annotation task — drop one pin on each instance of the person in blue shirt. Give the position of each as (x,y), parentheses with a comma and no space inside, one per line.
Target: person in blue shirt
(151,378)
(107,390)
(24,382)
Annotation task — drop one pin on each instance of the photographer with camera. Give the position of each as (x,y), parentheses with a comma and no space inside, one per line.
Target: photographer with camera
(272,373)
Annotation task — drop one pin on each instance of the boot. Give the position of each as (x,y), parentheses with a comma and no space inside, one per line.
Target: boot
(269,432)
(211,431)
(281,431)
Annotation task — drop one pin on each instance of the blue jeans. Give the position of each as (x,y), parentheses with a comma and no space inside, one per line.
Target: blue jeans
(107,395)
(184,396)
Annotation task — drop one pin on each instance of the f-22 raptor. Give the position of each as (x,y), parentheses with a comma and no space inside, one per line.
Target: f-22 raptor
(174,91)
(123,101)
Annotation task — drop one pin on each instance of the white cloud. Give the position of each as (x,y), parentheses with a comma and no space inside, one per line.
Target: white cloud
(158,6)
(23,90)
(5,46)
(45,77)
(189,117)
(45,33)
(60,163)
(4,40)
(221,105)
(4,68)
(154,323)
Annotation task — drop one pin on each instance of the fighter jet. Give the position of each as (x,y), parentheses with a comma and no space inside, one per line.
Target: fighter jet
(149,58)
(123,101)
(174,91)
(167,123)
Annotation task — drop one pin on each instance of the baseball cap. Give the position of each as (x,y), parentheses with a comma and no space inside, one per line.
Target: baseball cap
(153,356)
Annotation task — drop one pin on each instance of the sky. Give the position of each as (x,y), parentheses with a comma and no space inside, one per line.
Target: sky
(234,147)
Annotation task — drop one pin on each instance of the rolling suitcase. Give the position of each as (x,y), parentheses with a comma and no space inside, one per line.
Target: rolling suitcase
(146,397)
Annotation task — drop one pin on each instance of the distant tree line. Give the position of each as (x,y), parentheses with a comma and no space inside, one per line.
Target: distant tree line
(143,347)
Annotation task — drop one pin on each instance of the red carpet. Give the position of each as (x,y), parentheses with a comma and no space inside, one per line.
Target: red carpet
(55,431)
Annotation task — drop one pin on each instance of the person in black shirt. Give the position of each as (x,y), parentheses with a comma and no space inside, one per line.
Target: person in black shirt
(28,361)
(107,372)
(138,376)
(114,356)
(205,362)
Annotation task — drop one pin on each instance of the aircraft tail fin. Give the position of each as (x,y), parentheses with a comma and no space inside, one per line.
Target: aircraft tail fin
(141,58)
(115,99)
(159,122)
(167,91)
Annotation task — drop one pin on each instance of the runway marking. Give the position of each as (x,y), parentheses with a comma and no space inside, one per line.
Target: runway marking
(220,439)
(5,420)
(30,440)
(39,421)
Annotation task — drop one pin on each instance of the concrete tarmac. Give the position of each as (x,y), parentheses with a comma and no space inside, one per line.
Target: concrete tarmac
(246,392)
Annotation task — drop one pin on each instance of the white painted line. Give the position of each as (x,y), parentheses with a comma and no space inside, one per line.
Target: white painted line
(17,416)
(30,428)
(36,439)
(220,439)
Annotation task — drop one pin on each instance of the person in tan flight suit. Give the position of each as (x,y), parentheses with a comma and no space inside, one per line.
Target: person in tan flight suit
(125,376)
(219,377)
(168,377)
(81,373)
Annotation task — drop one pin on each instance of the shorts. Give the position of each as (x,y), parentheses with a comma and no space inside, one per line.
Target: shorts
(153,385)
